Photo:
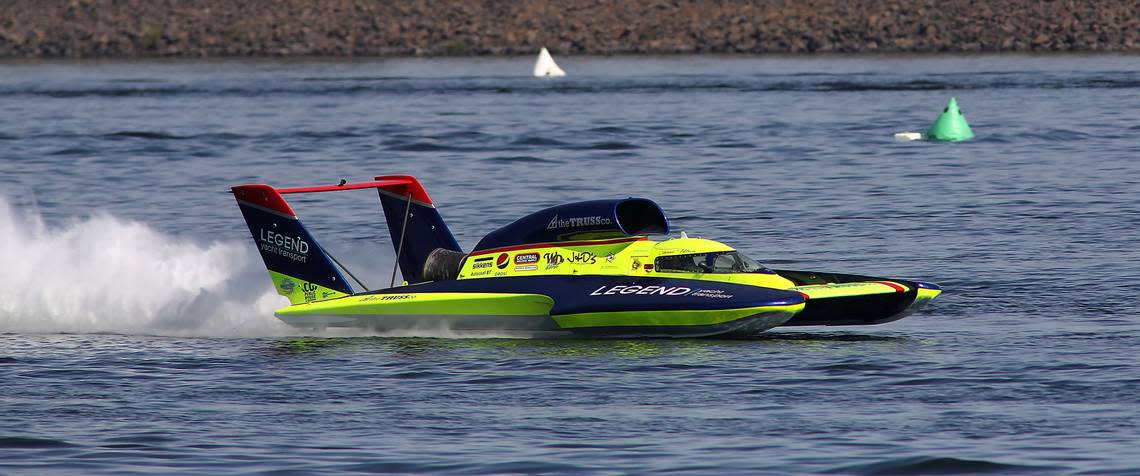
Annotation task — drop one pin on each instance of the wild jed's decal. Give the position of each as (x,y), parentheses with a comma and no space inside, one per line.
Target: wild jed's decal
(556,223)
(290,247)
(660,291)
(553,260)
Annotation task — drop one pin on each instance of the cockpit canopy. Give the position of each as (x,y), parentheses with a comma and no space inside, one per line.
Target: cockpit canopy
(717,262)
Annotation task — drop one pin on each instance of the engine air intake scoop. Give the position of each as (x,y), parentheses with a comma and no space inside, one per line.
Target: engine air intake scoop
(591,220)
(443,265)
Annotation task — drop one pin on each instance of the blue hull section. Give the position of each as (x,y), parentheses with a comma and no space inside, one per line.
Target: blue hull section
(586,294)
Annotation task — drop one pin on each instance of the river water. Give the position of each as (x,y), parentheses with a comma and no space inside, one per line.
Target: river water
(136,326)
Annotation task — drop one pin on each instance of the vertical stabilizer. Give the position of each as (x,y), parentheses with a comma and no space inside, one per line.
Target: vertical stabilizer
(299,268)
(545,65)
(415,225)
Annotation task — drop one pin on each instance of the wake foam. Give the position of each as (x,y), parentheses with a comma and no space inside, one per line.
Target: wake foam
(103,274)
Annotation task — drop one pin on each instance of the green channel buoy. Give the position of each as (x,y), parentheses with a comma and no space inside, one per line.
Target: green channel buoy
(951,125)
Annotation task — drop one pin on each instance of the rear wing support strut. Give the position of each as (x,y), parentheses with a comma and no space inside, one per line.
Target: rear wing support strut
(400,247)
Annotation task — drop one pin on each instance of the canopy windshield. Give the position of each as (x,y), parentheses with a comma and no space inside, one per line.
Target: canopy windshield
(716,262)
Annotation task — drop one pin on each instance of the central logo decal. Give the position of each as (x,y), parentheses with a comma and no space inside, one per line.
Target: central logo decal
(526,262)
(526,258)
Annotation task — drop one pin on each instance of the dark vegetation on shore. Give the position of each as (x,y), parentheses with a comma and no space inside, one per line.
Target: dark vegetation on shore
(215,28)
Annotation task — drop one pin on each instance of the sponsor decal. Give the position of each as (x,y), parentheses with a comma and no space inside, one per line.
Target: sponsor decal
(499,274)
(310,291)
(557,223)
(584,257)
(501,261)
(610,258)
(482,263)
(387,297)
(553,260)
(526,258)
(481,273)
(290,247)
(711,293)
(642,290)
(660,291)
(287,285)
(636,264)
(526,262)
(839,285)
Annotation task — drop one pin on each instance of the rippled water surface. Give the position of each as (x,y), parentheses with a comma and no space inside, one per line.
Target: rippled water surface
(136,326)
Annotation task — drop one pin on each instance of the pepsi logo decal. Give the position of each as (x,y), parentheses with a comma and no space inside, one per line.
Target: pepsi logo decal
(501,261)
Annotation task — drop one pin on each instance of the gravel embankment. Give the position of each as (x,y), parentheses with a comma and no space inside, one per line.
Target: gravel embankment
(213,28)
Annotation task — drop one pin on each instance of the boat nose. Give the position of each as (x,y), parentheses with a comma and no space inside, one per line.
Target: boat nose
(931,286)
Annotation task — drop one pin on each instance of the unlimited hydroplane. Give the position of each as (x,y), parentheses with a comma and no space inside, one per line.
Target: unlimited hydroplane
(579,269)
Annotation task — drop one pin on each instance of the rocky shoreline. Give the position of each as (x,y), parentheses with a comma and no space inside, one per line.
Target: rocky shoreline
(213,28)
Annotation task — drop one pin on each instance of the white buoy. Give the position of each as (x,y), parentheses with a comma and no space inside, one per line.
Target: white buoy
(545,65)
(908,136)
